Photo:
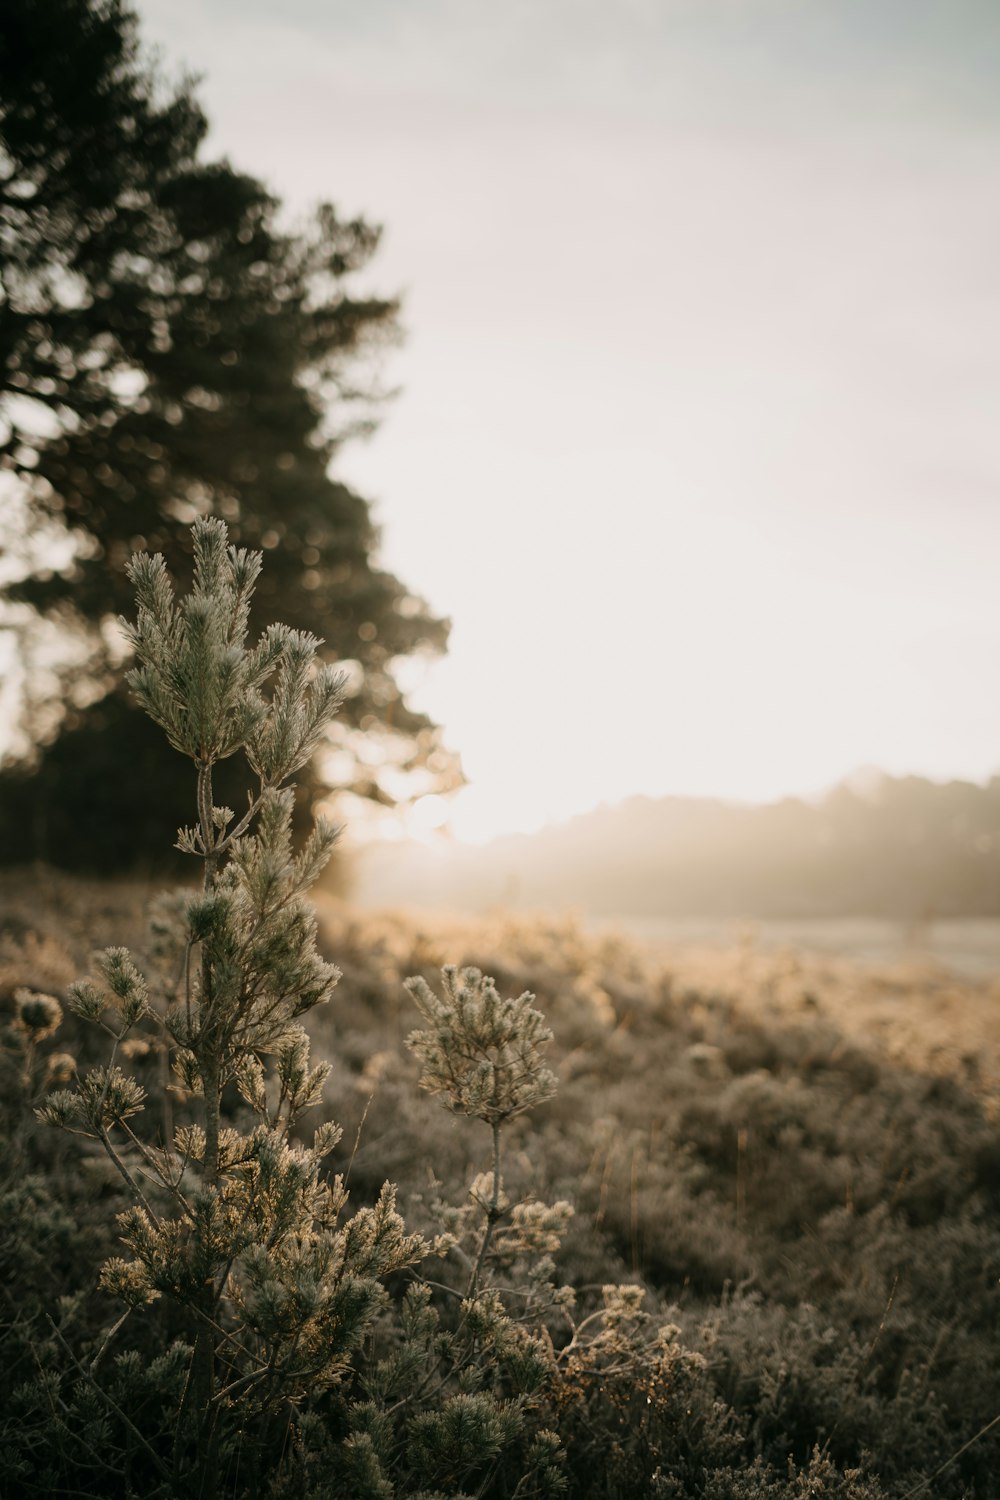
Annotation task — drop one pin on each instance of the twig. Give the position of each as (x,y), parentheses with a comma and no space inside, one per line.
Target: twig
(133,1429)
(492,1213)
(357,1138)
(107,1339)
(949,1461)
(130,1181)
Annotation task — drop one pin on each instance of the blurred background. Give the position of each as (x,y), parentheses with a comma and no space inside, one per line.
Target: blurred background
(681,344)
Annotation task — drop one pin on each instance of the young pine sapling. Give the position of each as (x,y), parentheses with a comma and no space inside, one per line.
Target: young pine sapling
(236,1224)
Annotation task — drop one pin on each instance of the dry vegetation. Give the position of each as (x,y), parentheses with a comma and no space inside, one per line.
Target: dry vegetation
(797,1159)
(915,1012)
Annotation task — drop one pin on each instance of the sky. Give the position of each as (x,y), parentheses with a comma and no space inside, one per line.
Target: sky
(696,438)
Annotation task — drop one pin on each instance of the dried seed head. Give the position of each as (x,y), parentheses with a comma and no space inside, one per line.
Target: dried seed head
(36,1016)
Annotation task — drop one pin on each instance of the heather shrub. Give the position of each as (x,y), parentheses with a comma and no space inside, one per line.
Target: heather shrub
(857,1329)
(732,1255)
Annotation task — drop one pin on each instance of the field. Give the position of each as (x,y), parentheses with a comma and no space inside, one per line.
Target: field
(969,946)
(795,1155)
(927,999)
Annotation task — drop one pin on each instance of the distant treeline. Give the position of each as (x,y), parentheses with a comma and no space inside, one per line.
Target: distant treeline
(904,848)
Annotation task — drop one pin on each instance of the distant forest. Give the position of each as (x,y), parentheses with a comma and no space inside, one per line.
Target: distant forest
(900,848)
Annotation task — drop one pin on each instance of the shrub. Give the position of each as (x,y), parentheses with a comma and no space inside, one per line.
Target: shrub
(271,1283)
(557,1315)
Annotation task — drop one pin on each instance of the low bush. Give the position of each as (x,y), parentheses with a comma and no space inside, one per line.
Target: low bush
(730,1257)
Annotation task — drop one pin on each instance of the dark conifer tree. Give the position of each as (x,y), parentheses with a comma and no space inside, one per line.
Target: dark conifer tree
(168,349)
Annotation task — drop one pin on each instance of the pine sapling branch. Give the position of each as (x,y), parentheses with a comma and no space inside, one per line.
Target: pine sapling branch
(493,1214)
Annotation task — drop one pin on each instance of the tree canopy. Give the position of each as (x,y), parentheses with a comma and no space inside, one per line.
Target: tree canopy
(168,349)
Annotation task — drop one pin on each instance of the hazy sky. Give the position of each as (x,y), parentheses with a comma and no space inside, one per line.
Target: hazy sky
(697,438)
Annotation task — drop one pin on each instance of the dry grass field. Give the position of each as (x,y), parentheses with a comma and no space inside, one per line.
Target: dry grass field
(796,1156)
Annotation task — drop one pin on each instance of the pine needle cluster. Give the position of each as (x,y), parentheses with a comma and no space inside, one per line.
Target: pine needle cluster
(482,1053)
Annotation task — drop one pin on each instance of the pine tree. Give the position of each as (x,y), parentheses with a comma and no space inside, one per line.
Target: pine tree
(168,349)
(234,1223)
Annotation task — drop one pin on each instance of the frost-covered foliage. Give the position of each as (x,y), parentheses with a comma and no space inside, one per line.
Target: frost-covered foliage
(811,1313)
(482,1053)
(239,1245)
(236,1224)
(733,1257)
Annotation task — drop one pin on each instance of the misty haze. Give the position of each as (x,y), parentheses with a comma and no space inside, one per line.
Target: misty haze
(499,755)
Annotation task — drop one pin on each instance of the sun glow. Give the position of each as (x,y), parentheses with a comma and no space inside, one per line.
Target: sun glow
(696,445)
(426,818)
